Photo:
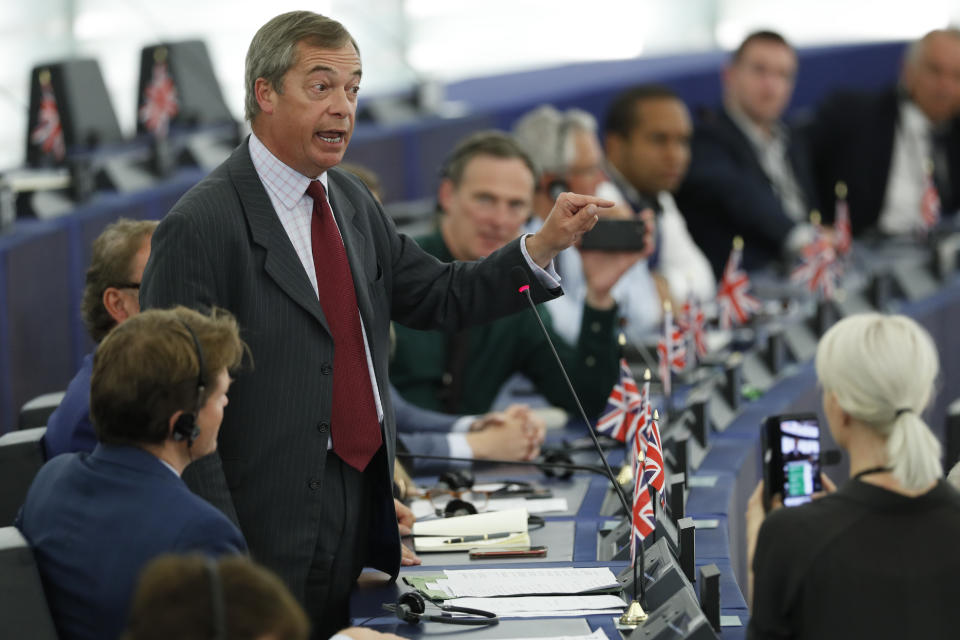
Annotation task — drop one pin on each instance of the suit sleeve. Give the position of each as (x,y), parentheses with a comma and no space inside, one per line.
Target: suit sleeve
(179,272)
(412,419)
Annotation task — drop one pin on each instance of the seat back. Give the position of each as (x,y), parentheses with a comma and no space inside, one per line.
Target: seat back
(23,605)
(21,456)
(35,412)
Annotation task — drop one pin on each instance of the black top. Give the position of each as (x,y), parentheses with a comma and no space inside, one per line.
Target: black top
(861,563)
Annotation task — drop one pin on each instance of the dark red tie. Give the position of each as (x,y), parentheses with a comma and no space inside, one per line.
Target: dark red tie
(353,423)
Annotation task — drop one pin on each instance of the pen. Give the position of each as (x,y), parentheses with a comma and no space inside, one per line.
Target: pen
(486,536)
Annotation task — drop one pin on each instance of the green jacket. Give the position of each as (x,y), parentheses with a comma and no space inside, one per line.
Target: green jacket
(503,347)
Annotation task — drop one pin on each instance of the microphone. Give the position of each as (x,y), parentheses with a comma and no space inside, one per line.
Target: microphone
(522,283)
(544,464)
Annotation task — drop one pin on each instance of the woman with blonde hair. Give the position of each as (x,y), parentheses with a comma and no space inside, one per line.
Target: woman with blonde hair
(878,557)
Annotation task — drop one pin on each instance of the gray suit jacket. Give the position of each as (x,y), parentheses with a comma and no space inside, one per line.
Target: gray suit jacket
(223,245)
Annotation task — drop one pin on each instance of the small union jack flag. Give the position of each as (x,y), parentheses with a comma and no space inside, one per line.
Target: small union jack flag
(671,349)
(642,515)
(843,235)
(692,322)
(48,132)
(619,418)
(653,473)
(159,101)
(818,269)
(736,304)
(930,202)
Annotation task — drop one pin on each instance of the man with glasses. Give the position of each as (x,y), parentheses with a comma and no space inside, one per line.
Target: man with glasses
(111,296)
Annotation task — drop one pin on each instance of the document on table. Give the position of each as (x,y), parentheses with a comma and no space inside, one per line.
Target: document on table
(599,634)
(423,509)
(485,583)
(545,606)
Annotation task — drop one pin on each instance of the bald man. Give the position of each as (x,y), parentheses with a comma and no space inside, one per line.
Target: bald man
(884,145)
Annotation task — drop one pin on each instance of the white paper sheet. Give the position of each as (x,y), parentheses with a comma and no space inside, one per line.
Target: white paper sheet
(544,606)
(483,583)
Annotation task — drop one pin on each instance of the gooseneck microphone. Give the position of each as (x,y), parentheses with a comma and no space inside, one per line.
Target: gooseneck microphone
(523,286)
(544,463)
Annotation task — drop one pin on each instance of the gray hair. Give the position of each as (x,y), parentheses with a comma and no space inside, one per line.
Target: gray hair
(546,134)
(882,370)
(273,50)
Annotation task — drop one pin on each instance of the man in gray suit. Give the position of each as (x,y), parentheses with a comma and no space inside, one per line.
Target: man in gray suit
(307,261)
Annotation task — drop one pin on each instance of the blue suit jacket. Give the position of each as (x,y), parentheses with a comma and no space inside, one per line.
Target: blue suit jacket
(94,521)
(727,193)
(69,428)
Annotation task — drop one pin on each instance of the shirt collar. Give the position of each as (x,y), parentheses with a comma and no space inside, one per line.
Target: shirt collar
(286,184)
(913,119)
(753,133)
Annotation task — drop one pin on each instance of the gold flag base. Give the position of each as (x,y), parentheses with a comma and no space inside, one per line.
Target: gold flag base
(634,615)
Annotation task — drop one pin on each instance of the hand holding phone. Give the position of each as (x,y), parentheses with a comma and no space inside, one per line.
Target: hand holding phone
(791,458)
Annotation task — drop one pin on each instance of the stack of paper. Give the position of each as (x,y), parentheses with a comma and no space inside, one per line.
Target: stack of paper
(486,583)
(506,529)
(545,606)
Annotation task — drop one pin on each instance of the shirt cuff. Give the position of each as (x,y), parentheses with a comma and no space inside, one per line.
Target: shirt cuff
(459,447)
(340,636)
(548,277)
(463,423)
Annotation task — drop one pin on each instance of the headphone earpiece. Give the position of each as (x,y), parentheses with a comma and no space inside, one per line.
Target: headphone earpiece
(458,507)
(557,456)
(411,607)
(185,428)
(457,479)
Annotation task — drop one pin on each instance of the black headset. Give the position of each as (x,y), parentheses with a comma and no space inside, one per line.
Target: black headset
(216,600)
(185,428)
(411,607)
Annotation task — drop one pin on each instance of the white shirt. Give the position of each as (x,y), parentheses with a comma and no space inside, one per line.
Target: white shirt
(287,190)
(682,263)
(911,152)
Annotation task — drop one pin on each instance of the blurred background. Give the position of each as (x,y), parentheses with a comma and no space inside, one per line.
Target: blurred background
(420,44)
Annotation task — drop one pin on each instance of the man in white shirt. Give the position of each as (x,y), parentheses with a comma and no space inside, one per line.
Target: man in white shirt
(890,147)
(567,151)
(647,137)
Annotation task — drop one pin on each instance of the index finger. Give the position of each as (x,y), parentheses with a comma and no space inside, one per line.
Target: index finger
(578,200)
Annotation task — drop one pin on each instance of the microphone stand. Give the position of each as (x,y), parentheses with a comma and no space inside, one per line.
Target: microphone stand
(632,615)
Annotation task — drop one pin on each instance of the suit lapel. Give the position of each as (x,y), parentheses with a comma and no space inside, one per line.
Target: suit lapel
(282,263)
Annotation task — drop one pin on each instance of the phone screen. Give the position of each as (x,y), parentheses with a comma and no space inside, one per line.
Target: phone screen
(800,456)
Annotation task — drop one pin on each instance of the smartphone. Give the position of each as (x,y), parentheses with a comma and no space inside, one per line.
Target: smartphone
(615,235)
(491,552)
(791,455)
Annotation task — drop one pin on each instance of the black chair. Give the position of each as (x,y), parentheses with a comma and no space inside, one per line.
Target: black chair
(23,605)
(21,456)
(36,412)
